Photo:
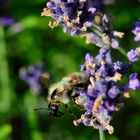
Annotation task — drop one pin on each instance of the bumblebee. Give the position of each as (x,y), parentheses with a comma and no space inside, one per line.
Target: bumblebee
(64,91)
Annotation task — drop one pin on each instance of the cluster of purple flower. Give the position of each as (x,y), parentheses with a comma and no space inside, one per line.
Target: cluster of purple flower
(133,55)
(85,18)
(31,76)
(74,15)
(104,91)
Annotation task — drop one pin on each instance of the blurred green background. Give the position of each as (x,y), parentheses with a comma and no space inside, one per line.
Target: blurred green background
(30,40)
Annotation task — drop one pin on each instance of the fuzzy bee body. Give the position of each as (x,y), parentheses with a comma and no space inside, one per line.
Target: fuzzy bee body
(63,91)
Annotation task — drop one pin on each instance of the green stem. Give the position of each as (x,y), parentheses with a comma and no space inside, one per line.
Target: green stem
(101,134)
(122,51)
(5,87)
(98,32)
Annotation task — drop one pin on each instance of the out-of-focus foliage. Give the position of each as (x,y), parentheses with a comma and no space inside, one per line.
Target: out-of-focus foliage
(30,40)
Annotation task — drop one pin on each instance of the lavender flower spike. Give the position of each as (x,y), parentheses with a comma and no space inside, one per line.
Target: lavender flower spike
(31,76)
(74,15)
(102,96)
(136,31)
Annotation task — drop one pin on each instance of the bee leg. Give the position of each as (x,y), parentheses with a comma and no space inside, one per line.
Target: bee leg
(69,110)
(40,108)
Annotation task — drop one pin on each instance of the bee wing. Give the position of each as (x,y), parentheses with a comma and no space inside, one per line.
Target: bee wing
(45,79)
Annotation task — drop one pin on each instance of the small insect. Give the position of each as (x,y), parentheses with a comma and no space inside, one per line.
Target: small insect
(63,91)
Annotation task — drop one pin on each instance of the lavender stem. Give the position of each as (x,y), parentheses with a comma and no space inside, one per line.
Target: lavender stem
(101,134)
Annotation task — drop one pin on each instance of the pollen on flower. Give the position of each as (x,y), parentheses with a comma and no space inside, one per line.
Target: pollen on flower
(74,16)
(97,104)
(98,19)
(83,0)
(127,95)
(53,24)
(46,12)
(79,100)
(116,77)
(106,39)
(102,96)
(138,50)
(118,34)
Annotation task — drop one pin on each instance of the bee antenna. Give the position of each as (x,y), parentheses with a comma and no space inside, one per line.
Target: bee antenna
(41,108)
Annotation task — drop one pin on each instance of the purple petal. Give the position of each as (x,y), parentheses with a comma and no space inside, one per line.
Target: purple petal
(134,82)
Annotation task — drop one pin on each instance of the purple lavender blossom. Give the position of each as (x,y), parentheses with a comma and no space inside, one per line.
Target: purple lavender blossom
(74,15)
(136,31)
(86,18)
(134,82)
(6,21)
(115,43)
(101,38)
(103,93)
(31,76)
(133,55)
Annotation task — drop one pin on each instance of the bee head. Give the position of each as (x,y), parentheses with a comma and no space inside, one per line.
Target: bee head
(54,110)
